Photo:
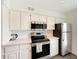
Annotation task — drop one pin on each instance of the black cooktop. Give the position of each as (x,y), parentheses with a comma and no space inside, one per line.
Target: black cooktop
(40,40)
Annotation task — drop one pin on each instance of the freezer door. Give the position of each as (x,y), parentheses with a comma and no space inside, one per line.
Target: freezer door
(65,43)
(66,27)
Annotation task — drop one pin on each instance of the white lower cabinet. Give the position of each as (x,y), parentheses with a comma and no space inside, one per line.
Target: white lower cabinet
(25,51)
(12,52)
(12,55)
(18,52)
(53,47)
(2,53)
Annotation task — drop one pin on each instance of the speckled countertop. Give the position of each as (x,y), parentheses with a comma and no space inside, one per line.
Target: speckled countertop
(52,37)
(18,42)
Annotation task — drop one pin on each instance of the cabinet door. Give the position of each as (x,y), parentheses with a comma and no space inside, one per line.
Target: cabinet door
(14,20)
(35,17)
(25,51)
(25,21)
(2,53)
(12,52)
(60,20)
(53,47)
(11,55)
(43,19)
(50,23)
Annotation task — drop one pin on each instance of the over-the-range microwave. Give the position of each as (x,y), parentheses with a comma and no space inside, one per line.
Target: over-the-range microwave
(38,26)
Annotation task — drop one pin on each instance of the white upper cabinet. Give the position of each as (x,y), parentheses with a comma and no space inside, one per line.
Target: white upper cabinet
(60,20)
(25,21)
(35,17)
(38,18)
(43,19)
(19,20)
(22,20)
(14,20)
(50,23)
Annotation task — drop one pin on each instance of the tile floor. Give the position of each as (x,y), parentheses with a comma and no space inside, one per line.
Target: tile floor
(69,56)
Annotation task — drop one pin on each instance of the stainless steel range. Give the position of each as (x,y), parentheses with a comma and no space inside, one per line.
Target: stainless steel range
(40,43)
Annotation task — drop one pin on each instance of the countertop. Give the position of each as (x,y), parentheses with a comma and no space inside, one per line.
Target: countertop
(20,41)
(53,38)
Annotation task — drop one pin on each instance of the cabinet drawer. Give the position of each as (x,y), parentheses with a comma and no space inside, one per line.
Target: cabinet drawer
(11,48)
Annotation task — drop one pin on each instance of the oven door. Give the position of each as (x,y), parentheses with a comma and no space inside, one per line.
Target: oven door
(45,51)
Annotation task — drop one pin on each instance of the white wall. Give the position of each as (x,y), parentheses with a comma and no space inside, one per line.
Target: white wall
(72,18)
(23,6)
(5,25)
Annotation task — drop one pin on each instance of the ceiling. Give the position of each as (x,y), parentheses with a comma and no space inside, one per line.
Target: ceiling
(50,5)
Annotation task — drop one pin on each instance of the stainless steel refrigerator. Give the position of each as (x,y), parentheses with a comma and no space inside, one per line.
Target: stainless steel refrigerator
(64,32)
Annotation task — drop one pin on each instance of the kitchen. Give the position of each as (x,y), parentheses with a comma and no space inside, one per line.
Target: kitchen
(31,32)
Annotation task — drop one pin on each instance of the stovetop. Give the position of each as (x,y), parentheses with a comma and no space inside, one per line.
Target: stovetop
(40,40)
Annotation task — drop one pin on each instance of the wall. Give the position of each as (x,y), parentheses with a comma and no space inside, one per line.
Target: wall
(5,28)
(15,5)
(72,18)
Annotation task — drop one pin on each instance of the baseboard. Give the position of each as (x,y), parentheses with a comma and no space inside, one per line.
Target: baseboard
(48,56)
(73,54)
(44,57)
(54,56)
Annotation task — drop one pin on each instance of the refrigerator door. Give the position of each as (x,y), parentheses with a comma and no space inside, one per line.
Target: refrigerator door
(66,43)
(66,27)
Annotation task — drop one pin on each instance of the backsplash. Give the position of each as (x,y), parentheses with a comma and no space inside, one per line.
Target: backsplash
(22,34)
(49,33)
(27,34)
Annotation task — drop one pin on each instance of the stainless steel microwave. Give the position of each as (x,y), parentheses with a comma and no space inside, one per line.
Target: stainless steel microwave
(38,26)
